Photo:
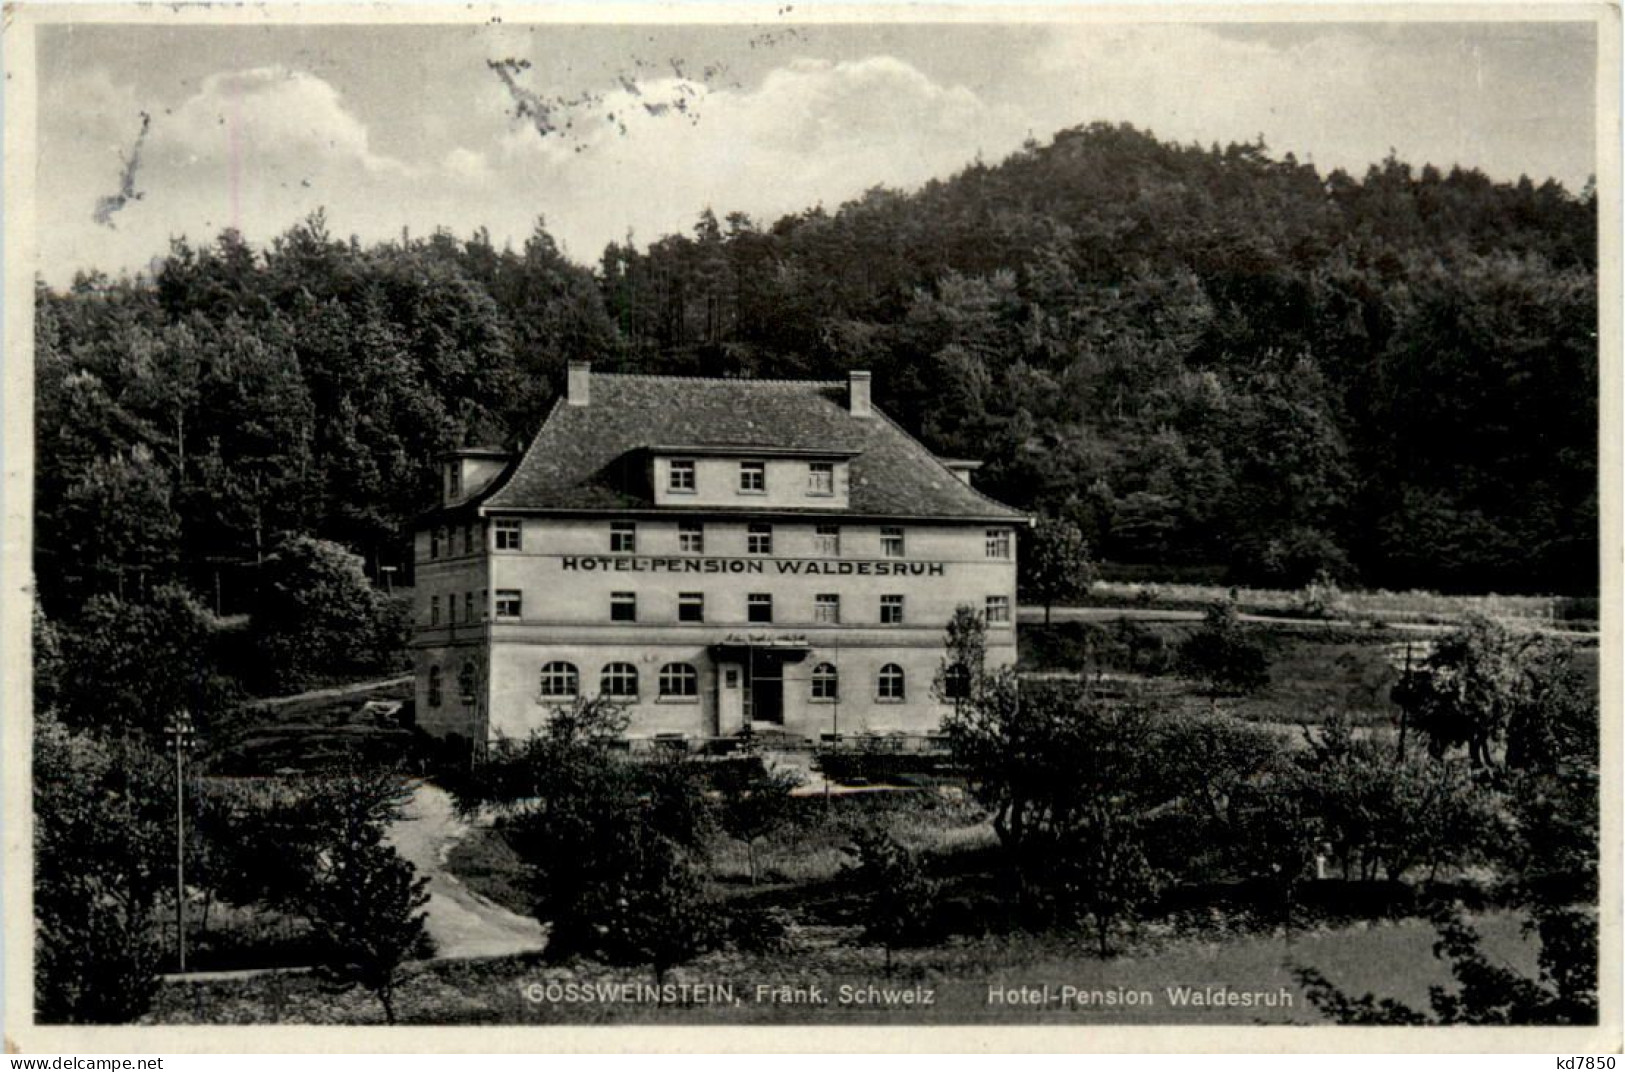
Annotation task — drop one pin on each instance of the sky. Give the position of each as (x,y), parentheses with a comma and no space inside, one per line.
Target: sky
(615,130)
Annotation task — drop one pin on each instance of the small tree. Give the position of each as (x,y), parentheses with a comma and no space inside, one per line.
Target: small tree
(1055,563)
(965,660)
(366,905)
(1104,873)
(610,842)
(358,893)
(755,802)
(900,900)
(1220,655)
(1484,684)
(663,916)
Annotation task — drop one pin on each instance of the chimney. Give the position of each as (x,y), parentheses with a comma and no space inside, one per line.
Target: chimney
(578,389)
(858,383)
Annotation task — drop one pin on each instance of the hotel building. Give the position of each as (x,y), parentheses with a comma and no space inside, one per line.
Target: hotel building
(717,554)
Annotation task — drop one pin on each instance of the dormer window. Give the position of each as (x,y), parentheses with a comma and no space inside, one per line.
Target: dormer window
(753,478)
(821,478)
(681,475)
(454,482)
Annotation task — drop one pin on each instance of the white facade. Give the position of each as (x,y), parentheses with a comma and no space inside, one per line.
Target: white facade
(742,593)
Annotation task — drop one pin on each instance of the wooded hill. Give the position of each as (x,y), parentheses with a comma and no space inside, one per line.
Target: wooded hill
(1207,357)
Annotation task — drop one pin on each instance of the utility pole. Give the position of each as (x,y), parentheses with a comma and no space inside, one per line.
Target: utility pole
(180,732)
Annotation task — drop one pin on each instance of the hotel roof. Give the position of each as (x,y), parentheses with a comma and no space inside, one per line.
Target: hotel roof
(581,458)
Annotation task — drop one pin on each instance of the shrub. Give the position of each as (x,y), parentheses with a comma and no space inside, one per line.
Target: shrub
(315,614)
(900,900)
(1222,657)
(102,837)
(613,845)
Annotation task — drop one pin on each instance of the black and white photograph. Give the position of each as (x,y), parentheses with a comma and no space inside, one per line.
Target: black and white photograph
(801,516)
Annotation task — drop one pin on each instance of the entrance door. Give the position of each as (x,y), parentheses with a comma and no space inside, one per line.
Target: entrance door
(765,698)
(730,698)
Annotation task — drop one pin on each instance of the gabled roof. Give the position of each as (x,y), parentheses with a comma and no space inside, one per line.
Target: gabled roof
(582,456)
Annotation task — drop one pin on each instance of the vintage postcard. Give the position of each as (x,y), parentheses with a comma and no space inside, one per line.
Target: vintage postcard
(1057,527)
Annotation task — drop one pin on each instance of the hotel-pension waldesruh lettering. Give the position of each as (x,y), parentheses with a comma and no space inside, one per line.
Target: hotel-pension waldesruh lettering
(717,554)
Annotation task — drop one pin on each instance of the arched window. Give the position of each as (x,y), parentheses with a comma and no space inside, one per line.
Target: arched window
(465,683)
(826,682)
(889,685)
(434,686)
(679,679)
(560,681)
(619,680)
(956,682)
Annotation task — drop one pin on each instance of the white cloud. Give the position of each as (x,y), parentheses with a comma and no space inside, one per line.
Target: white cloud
(268,118)
(812,131)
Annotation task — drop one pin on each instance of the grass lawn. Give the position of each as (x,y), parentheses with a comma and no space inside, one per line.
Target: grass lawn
(1387,958)
(1312,670)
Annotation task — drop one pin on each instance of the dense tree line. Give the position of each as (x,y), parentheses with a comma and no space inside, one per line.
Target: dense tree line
(1200,356)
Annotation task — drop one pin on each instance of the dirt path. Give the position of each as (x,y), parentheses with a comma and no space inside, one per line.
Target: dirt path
(462,923)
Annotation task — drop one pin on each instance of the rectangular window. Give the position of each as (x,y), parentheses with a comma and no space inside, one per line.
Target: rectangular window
(509,603)
(451,609)
(891,610)
(998,609)
(753,477)
(759,539)
(821,478)
(623,537)
(759,607)
(691,606)
(434,610)
(623,606)
(827,540)
(691,537)
(509,534)
(436,538)
(891,542)
(827,608)
(680,477)
(998,543)
(468,606)
(468,538)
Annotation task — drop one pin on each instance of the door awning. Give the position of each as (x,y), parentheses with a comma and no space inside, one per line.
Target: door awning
(738,646)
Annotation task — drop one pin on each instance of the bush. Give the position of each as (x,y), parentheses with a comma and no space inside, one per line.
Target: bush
(131,666)
(613,845)
(102,839)
(316,616)
(900,900)
(1221,657)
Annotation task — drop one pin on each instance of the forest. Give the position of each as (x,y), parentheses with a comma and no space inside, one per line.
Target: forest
(1217,362)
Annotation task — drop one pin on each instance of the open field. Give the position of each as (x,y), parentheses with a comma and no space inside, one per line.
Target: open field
(1316,602)
(1314,668)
